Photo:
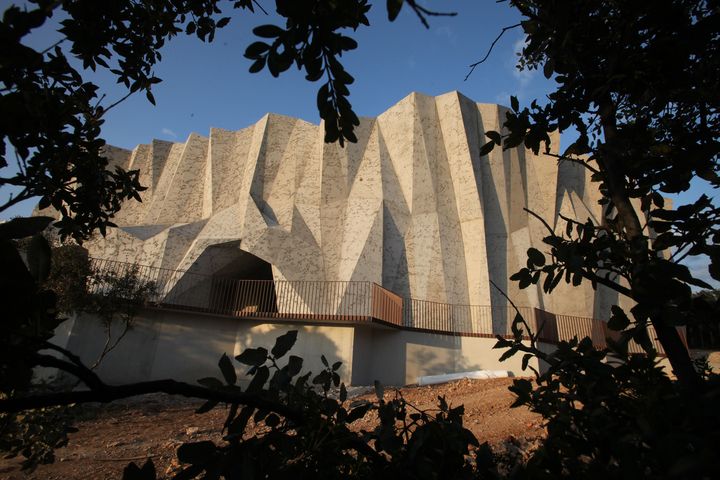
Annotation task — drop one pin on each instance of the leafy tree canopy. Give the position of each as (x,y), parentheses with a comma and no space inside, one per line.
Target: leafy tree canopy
(639,82)
(636,79)
(53,115)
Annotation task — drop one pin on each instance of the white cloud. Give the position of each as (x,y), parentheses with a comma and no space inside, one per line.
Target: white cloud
(524,77)
(167,132)
(449,33)
(519,45)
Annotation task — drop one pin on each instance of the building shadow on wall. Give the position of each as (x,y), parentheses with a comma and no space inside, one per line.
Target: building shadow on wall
(431,354)
(313,342)
(398,357)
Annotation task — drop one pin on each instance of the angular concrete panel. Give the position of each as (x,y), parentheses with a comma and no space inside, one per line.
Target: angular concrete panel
(412,205)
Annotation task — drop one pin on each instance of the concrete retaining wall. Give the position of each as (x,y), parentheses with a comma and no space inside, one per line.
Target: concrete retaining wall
(187,346)
(396,357)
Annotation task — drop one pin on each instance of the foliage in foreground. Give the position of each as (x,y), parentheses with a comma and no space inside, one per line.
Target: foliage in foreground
(54,112)
(28,322)
(638,82)
(607,414)
(37,292)
(613,415)
(621,420)
(315,440)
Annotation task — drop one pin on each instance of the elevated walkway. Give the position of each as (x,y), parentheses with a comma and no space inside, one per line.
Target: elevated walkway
(343,302)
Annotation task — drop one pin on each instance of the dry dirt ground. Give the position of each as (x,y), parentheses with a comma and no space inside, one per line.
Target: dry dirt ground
(153,426)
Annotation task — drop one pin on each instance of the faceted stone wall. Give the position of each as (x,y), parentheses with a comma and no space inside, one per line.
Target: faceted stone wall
(411,206)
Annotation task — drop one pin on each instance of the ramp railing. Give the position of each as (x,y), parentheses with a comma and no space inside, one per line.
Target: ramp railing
(310,300)
(345,301)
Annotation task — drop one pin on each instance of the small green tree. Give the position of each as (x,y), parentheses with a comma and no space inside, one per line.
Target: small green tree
(69,273)
(118,301)
(114,297)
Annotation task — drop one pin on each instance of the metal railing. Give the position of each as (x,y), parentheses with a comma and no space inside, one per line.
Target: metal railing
(346,301)
(475,320)
(555,328)
(301,300)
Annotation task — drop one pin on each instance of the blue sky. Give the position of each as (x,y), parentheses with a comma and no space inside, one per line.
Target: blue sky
(208,85)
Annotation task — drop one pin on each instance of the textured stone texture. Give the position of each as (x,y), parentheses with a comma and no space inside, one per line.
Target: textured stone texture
(412,206)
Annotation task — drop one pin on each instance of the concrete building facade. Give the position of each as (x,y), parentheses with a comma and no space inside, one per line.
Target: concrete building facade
(411,207)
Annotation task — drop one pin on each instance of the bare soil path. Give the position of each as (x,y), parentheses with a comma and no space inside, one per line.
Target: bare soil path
(155,425)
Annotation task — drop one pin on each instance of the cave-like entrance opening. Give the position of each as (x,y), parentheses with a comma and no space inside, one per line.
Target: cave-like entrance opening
(238,282)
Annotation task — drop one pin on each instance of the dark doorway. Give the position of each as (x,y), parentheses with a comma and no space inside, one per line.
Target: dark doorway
(237,283)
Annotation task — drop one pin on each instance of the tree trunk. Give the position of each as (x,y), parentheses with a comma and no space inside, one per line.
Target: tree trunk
(615,182)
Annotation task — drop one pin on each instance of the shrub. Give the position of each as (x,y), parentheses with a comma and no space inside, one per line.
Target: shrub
(613,415)
(307,432)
